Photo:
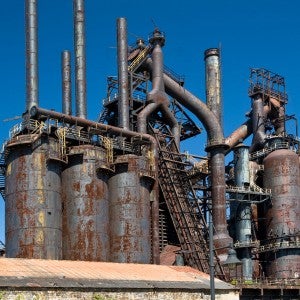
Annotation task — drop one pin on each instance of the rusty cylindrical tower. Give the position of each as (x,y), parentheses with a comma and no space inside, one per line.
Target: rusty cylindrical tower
(129,202)
(33,199)
(85,205)
(282,175)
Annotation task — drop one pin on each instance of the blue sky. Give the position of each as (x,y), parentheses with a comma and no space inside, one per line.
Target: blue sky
(252,34)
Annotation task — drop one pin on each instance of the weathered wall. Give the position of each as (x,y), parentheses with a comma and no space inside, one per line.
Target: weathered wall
(134,295)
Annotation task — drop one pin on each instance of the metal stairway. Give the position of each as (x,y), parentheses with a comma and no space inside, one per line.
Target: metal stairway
(2,174)
(139,59)
(103,115)
(185,211)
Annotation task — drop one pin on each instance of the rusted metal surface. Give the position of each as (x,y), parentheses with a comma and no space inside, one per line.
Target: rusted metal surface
(66,82)
(213,82)
(157,98)
(33,201)
(243,210)
(216,148)
(221,237)
(129,202)
(80,66)
(85,205)
(258,123)
(31,54)
(123,102)
(282,175)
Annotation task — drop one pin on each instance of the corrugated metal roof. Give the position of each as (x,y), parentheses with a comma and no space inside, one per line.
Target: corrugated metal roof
(17,272)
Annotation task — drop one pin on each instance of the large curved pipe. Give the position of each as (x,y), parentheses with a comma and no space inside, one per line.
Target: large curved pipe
(216,147)
(194,104)
(123,103)
(240,134)
(80,68)
(32,93)
(72,120)
(157,98)
(243,132)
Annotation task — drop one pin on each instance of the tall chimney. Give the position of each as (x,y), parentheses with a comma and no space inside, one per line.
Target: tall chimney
(213,82)
(31,54)
(66,83)
(123,103)
(80,65)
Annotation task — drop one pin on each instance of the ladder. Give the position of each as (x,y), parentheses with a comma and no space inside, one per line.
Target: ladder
(2,174)
(185,210)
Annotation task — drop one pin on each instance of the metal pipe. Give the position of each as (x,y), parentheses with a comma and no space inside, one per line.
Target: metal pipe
(143,115)
(169,116)
(243,210)
(211,259)
(123,103)
(241,133)
(32,97)
(157,97)
(216,147)
(258,120)
(80,66)
(280,125)
(66,82)
(194,104)
(213,82)
(37,111)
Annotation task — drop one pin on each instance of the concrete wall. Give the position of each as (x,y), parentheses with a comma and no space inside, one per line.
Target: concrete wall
(134,295)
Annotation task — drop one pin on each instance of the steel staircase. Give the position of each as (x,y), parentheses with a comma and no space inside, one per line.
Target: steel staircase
(2,174)
(139,59)
(103,115)
(185,211)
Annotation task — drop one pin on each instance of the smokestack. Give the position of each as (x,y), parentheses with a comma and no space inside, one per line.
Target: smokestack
(80,72)
(31,54)
(66,83)
(213,82)
(123,103)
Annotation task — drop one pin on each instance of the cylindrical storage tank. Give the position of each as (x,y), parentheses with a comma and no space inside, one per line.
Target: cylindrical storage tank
(282,175)
(85,205)
(33,199)
(129,202)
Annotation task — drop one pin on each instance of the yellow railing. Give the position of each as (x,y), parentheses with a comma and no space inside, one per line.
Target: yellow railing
(139,58)
(107,143)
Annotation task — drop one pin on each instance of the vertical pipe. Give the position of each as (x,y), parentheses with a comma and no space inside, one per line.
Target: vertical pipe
(80,66)
(66,83)
(217,154)
(211,259)
(221,237)
(213,82)
(123,102)
(258,115)
(243,211)
(31,54)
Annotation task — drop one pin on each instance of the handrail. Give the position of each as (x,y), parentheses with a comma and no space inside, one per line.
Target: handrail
(139,58)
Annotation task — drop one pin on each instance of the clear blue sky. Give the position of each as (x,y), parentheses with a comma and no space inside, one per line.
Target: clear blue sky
(256,33)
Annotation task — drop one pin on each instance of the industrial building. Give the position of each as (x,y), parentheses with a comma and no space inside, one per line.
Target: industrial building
(120,190)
